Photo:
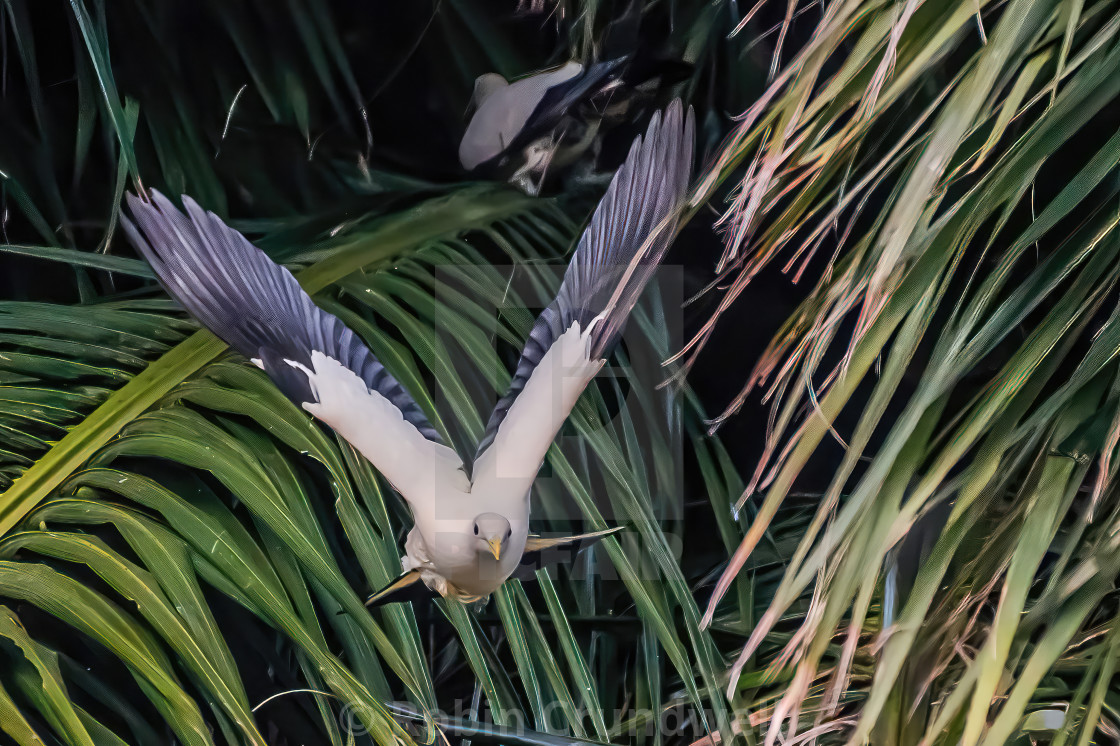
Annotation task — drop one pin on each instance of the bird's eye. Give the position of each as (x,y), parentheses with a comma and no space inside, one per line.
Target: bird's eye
(509,532)
(476,529)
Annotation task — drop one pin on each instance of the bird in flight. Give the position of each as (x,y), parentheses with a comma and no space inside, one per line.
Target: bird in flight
(471,533)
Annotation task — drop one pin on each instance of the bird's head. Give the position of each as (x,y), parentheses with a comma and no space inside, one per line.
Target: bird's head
(492,532)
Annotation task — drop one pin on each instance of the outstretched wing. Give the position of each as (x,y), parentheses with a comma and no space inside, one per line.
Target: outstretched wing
(629,233)
(542,551)
(259,309)
(529,109)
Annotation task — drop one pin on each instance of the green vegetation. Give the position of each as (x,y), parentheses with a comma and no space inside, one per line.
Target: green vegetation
(184,553)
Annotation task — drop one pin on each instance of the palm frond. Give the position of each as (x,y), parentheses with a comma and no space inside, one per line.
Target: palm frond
(966,316)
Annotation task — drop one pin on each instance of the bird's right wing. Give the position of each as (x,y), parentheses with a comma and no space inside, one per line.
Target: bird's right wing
(258,308)
(629,233)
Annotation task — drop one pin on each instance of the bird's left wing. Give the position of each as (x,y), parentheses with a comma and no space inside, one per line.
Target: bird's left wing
(616,256)
(258,308)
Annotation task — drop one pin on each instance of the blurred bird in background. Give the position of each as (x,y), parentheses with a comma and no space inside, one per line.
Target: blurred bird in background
(546,122)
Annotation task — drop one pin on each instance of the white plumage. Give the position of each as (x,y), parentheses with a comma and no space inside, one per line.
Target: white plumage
(503,109)
(471,533)
(545,120)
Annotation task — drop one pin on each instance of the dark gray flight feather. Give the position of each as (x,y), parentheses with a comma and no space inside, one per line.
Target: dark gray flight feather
(252,303)
(648,188)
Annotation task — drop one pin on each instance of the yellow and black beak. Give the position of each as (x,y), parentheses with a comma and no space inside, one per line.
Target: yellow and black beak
(495,548)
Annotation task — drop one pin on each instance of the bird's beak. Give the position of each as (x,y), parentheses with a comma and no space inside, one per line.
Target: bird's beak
(495,548)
